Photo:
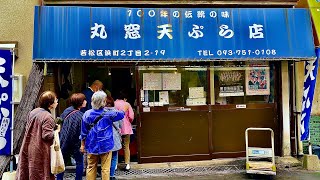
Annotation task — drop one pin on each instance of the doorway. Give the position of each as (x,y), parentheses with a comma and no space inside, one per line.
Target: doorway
(122,78)
(115,79)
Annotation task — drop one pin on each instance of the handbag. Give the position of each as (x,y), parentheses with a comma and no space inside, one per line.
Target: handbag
(116,128)
(56,161)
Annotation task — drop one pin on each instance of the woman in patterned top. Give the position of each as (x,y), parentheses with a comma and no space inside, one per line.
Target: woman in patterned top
(70,133)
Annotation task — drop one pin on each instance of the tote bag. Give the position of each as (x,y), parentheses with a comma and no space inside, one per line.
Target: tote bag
(57,163)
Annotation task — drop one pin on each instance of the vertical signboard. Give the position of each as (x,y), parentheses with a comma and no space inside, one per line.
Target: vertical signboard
(310,76)
(5,101)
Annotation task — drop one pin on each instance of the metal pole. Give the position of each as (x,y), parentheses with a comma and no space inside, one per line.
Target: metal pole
(286,146)
(309,145)
(298,107)
(12,113)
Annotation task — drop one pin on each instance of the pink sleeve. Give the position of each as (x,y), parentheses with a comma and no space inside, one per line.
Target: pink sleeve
(118,105)
(130,113)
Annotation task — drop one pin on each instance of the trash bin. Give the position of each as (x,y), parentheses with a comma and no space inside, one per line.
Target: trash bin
(316,150)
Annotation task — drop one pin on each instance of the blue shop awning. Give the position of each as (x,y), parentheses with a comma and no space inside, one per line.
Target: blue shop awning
(171,34)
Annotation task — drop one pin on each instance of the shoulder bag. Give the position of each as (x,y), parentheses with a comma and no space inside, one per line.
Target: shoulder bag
(97,120)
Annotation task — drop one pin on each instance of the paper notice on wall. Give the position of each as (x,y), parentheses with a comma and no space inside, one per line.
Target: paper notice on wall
(226,91)
(196,101)
(152,81)
(171,81)
(146,109)
(258,81)
(196,92)
(231,83)
(164,97)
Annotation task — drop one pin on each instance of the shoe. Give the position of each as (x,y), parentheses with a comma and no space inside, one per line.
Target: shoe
(113,178)
(127,168)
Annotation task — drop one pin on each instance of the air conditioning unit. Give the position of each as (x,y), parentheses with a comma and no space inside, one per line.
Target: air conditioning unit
(18,85)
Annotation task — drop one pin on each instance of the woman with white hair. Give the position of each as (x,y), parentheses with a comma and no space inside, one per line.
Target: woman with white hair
(96,135)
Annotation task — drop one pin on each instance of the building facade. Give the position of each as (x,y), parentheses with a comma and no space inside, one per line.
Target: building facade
(193,101)
(203,93)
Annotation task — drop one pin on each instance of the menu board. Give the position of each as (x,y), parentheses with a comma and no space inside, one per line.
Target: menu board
(152,81)
(171,81)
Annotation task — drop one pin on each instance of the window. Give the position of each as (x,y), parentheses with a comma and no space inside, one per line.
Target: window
(239,82)
(173,86)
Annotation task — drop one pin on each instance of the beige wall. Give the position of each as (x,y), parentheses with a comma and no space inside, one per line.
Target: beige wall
(16,24)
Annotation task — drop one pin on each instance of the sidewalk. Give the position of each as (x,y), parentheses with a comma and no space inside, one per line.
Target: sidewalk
(215,166)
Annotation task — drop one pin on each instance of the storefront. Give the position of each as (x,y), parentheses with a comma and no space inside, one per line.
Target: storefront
(198,77)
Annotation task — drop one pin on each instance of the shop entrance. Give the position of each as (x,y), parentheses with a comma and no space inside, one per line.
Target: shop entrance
(122,78)
(116,79)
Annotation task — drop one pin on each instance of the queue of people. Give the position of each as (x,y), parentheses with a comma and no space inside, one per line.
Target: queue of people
(97,133)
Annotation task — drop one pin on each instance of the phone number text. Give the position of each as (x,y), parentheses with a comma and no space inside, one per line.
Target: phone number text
(257,52)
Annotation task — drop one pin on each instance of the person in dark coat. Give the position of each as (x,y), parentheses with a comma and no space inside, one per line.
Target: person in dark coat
(70,133)
(34,157)
(95,86)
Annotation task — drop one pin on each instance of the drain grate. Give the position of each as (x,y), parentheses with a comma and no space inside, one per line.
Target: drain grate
(173,171)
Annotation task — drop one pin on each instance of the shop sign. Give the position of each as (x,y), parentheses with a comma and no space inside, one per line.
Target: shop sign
(5,101)
(92,33)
